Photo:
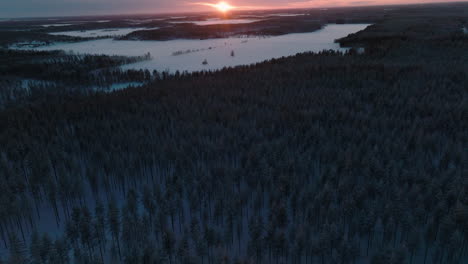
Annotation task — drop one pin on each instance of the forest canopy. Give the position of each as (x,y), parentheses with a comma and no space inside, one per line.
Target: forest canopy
(328,157)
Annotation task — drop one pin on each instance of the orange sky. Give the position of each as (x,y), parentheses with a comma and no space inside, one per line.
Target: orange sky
(279,4)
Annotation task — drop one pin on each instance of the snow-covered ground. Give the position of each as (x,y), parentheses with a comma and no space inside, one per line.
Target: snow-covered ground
(177,17)
(28,44)
(286,14)
(217,21)
(56,25)
(188,55)
(272,15)
(120,86)
(90,21)
(146,20)
(113,32)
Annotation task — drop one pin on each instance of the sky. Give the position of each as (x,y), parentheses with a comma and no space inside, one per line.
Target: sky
(42,8)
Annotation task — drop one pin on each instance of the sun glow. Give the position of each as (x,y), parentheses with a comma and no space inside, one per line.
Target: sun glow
(223,6)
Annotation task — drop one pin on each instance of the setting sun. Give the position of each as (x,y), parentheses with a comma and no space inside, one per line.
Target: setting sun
(223,6)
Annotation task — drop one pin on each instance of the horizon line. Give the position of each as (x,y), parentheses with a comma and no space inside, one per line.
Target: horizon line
(237,10)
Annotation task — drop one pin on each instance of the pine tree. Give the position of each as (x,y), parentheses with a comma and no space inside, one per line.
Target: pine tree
(45,249)
(17,250)
(113,220)
(99,229)
(35,248)
(169,244)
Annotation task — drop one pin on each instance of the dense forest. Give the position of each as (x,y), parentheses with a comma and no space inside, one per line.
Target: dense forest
(37,76)
(317,158)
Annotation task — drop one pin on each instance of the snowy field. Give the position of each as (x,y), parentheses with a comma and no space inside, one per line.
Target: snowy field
(188,55)
(112,32)
(56,25)
(285,15)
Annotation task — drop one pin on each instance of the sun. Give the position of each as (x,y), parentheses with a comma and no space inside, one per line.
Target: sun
(223,7)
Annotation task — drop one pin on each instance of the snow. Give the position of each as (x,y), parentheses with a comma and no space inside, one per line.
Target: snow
(100,32)
(28,44)
(120,86)
(361,50)
(274,14)
(140,21)
(217,21)
(286,15)
(56,25)
(257,16)
(91,21)
(188,55)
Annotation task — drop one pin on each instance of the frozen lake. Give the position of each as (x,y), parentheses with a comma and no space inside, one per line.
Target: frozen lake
(112,32)
(189,55)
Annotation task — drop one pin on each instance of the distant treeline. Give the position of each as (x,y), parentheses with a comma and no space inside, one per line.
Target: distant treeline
(317,158)
(38,76)
(10,37)
(270,27)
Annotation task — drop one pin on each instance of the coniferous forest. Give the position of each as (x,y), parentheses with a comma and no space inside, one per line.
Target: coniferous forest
(329,157)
